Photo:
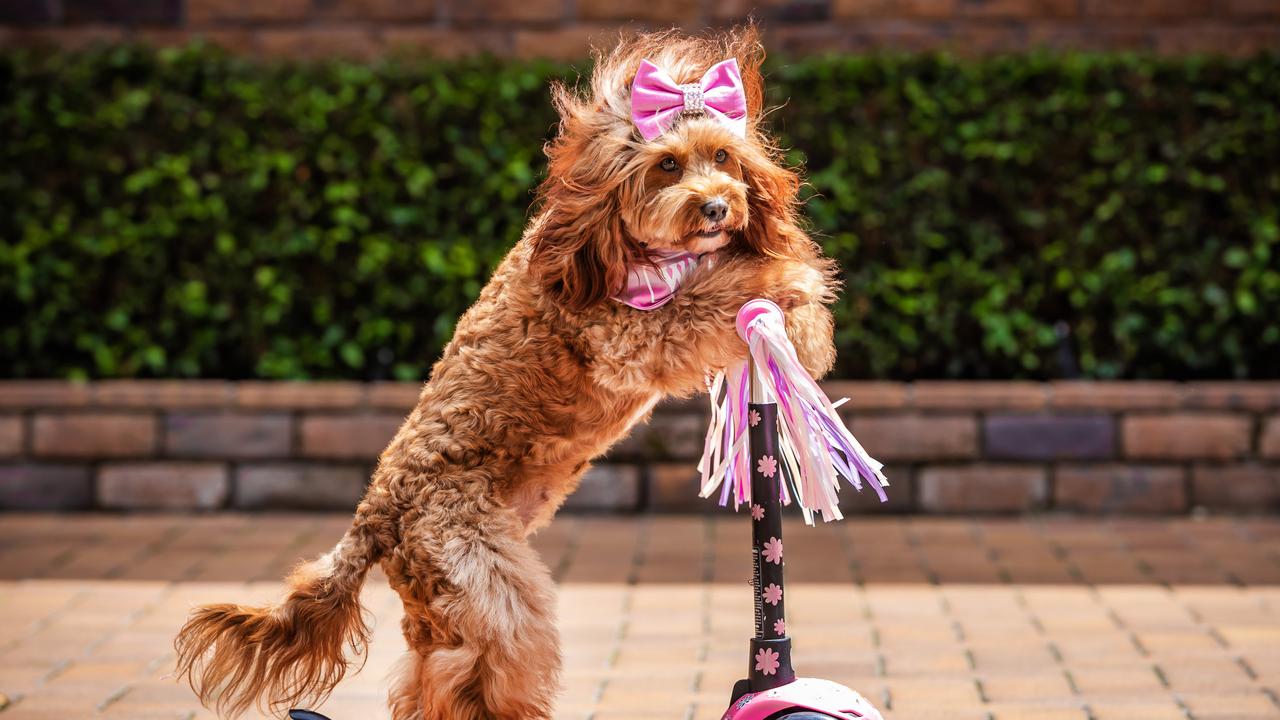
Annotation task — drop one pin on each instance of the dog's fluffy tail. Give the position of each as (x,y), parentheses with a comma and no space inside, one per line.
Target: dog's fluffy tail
(289,654)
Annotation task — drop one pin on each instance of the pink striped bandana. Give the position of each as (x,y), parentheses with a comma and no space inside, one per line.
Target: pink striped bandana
(650,286)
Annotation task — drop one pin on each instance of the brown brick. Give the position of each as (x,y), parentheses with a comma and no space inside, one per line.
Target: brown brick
(1186,436)
(299,487)
(1249,8)
(672,11)
(80,37)
(403,10)
(1120,488)
(809,38)
(792,12)
(1049,437)
(979,395)
(900,492)
(1225,39)
(237,40)
(1249,488)
(228,435)
(573,42)
(161,393)
(163,486)
(94,435)
(1269,442)
(130,12)
(917,437)
(1018,9)
(318,43)
(773,13)
(1148,8)
(1232,395)
(45,487)
(348,437)
(896,36)
(1057,35)
(300,395)
(677,436)
(975,39)
(472,11)
(608,488)
(982,488)
(399,396)
(444,43)
(1114,395)
(867,395)
(930,9)
(202,11)
(673,487)
(42,393)
(12,435)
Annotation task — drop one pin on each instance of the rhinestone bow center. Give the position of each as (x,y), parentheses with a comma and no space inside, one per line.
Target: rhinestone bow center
(694,104)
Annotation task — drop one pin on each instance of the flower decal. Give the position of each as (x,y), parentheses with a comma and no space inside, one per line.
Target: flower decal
(779,627)
(772,551)
(767,465)
(767,661)
(772,594)
(754,418)
(757,512)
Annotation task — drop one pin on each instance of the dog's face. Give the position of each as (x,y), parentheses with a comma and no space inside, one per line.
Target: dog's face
(611,196)
(688,190)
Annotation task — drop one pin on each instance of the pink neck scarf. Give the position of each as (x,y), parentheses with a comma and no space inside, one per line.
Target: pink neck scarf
(650,286)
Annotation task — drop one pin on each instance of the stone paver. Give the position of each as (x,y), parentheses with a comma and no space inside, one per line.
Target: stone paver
(929,617)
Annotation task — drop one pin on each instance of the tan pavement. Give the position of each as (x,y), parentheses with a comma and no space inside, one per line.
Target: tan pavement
(930,618)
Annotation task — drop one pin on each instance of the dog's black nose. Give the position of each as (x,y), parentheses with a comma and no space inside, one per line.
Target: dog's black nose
(715,210)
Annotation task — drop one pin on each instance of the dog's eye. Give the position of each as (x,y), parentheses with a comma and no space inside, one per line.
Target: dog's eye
(669,164)
(721,156)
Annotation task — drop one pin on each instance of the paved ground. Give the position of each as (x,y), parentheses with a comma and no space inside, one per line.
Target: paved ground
(930,618)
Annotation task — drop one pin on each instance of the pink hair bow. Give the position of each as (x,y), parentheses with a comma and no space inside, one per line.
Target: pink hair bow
(657,101)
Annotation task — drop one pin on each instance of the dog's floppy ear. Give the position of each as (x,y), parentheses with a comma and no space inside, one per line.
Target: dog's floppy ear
(772,196)
(579,250)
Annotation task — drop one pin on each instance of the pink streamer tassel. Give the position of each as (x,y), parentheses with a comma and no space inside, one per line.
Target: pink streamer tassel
(814,443)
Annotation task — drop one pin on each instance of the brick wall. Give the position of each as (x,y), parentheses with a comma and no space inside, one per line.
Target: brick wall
(1125,447)
(564,28)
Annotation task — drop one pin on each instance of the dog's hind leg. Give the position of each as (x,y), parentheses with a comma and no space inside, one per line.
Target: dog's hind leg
(479,620)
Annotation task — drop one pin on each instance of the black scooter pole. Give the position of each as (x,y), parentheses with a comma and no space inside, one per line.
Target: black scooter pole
(770,663)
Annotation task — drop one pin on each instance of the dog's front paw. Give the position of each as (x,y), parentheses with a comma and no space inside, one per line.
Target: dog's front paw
(796,284)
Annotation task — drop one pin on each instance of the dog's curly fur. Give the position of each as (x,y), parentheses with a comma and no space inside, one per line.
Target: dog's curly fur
(543,374)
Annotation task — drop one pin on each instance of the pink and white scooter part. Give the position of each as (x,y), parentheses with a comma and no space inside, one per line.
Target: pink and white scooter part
(824,697)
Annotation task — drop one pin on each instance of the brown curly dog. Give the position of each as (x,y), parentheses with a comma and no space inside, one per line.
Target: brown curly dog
(543,374)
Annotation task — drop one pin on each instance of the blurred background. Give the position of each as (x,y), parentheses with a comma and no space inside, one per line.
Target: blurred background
(235,235)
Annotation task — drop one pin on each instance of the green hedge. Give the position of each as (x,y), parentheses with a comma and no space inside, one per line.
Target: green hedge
(185,213)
